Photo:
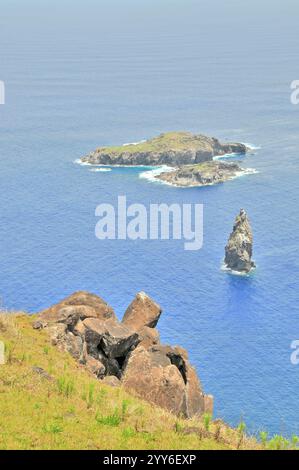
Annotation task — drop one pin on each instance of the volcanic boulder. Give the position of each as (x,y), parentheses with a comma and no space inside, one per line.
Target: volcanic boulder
(164,376)
(96,367)
(127,353)
(153,377)
(79,305)
(142,312)
(113,338)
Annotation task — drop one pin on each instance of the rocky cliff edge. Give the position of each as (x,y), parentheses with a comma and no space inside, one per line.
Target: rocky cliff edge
(127,353)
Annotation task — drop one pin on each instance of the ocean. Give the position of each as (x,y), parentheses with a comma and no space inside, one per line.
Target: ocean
(79,75)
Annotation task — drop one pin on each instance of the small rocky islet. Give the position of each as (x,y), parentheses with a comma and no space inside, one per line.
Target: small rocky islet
(202,174)
(192,157)
(238,251)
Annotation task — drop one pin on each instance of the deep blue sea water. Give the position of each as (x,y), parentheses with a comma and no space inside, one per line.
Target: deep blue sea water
(83,74)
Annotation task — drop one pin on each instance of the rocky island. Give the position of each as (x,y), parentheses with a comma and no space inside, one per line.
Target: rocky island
(127,352)
(190,155)
(171,148)
(201,174)
(238,251)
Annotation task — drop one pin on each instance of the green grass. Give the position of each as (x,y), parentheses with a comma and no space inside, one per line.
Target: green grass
(169,141)
(110,420)
(203,166)
(66,386)
(70,409)
(207,421)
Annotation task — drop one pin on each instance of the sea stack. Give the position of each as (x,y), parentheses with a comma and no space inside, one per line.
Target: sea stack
(238,251)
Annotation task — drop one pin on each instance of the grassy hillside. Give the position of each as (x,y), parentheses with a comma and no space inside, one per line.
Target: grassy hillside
(169,141)
(48,401)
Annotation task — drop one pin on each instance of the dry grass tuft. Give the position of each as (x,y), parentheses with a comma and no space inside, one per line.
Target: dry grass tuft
(8,322)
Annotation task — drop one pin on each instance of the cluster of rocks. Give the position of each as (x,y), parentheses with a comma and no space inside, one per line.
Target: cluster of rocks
(127,352)
(203,174)
(238,251)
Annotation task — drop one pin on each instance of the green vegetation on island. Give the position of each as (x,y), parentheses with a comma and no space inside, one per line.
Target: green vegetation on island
(171,148)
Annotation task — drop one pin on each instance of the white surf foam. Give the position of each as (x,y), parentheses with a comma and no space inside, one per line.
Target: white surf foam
(245,171)
(227,155)
(251,146)
(79,162)
(134,143)
(95,170)
(150,175)
(226,269)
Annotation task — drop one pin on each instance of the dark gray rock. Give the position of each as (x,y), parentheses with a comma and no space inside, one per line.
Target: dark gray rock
(118,340)
(113,338)
(112,366)
(238,251)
